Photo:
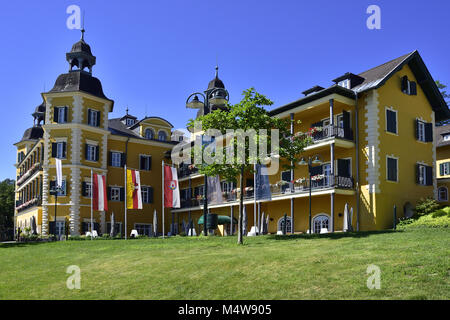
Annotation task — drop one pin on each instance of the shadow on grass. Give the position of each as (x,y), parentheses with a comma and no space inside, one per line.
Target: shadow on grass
(331,236)
(23,244)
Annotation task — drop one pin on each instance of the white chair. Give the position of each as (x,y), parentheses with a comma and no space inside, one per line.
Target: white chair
(88,234)
(134,233)
(279,233)
(324,230)
(95,234)
(192,232)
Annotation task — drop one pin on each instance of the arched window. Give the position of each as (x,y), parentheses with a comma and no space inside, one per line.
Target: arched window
(320,222)
(281,224)
(162,136)
(442,194)
(149,134)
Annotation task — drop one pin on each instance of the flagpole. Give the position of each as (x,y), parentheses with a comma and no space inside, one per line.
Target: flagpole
(126,191)
(92,210)
(254,200)
(162,199)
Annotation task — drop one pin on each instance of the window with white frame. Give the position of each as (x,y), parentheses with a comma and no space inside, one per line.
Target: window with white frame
(422,171)
(93,117)
(61,114)
(392,169)
(447,137)
(60,154)
(345,83)
(143,229)
(421,131)
(162,135)
(91,152)
(147,194)
(444,169)
(116,159)
(442,194)
(149,134)
(88,189)
(115,194)
(130,122)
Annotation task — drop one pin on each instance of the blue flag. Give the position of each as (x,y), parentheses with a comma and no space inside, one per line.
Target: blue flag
(262,191)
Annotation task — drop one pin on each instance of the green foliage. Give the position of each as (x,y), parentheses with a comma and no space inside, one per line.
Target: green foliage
(7,187)
(427,221)
(248,114)
(426,206)
(446,97)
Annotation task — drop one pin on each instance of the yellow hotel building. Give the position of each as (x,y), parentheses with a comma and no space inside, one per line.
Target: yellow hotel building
(376,146)
(442,136)
(72,124)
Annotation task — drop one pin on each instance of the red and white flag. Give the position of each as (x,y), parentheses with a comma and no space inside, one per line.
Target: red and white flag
(99,198)
(171,188)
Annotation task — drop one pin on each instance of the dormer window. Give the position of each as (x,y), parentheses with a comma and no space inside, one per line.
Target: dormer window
(447,137)
(149,134)
(345,83)
(129,122)
(162,136)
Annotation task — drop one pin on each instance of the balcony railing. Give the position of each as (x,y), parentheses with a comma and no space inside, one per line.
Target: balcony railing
(332,131)
(20,205)
(185,171)
(21,179)
(320,182)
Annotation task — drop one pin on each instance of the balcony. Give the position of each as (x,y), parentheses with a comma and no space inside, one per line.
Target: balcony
(21,179)
(332,131)
(300,186)
(35,202)
(186,171)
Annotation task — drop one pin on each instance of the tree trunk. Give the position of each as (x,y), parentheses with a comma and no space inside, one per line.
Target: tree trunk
(241,206)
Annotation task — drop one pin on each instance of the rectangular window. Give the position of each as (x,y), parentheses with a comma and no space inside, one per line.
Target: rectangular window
(62,192)
(60,150)
(91,152)
(116,159)
(143,229)
(93,118)
(421,131)
(392,169)
(444,169)
(409,87)
(391,121)
(447,137)
(115,194)
(87,189)
(147,194)
(422,175)
(60,114)
(145,162)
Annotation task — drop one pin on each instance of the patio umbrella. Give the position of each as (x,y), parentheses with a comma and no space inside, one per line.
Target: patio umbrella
(350,218)
(262,226)
(33,225)
(244,221)
(345,227)
(155,223)
(111,233)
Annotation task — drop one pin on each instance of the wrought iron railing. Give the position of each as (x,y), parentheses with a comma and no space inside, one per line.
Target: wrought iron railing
(320,182)
(333,131)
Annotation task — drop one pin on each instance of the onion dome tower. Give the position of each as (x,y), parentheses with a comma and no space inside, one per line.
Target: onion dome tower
(215,83)
(80,58)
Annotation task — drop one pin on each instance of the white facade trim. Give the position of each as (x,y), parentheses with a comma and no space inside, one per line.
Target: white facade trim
(372,124)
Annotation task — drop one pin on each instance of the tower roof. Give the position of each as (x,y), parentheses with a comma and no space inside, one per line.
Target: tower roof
(216,82)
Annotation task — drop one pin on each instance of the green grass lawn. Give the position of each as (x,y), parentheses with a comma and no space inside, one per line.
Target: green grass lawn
(414,265)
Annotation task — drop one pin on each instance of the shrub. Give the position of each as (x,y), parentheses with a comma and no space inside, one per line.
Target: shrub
(439,213)
(426,206)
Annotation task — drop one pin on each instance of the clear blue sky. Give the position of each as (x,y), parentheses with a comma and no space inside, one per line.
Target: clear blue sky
(152,54)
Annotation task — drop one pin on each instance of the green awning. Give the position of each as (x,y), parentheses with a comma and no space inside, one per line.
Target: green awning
(220,220)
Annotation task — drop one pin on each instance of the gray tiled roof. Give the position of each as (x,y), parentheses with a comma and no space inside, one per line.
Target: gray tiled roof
(439,133)
(373,77)
(117,127)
